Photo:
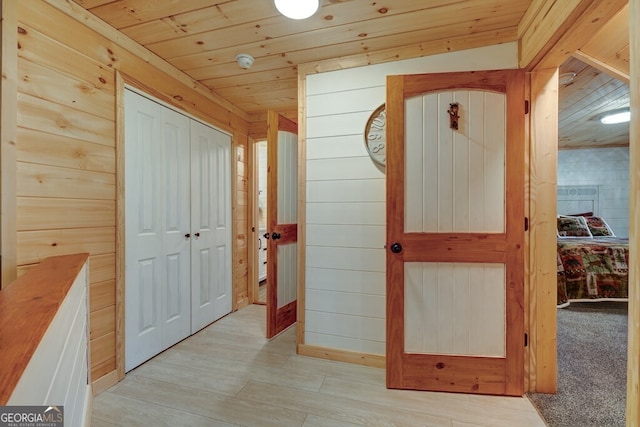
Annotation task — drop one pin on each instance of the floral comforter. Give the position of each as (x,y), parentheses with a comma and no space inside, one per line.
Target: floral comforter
(592,269)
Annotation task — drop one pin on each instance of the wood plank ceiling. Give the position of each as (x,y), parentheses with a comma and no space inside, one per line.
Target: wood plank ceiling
(203,37)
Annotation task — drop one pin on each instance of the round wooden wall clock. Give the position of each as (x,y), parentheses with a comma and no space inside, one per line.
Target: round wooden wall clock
(375,137)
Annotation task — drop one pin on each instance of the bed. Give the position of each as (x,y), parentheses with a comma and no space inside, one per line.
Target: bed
(592,262)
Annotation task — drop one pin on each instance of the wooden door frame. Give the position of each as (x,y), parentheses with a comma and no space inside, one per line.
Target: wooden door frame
(253,226)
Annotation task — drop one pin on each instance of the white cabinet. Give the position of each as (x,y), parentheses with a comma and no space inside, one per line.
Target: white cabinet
(177,227)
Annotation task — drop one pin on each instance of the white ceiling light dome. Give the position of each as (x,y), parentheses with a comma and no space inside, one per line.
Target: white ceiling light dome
(297,9)
(615,117)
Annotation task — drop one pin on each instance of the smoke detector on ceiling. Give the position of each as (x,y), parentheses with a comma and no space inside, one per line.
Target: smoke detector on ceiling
(244,60)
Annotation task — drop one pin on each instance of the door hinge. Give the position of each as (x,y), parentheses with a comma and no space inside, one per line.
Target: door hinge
(526,106)
(526,224)
(526,340)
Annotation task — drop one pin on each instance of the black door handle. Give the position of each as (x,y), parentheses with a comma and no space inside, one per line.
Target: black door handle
(197,234)
(396,248)
(266,236)
(275,236)
(186,236)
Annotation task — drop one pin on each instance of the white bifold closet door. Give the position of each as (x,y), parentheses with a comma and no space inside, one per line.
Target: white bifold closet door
(177,227)
(211,223)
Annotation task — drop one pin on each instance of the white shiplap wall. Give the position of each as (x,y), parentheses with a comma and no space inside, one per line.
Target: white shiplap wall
(607,168)
(345,206)
(57,373)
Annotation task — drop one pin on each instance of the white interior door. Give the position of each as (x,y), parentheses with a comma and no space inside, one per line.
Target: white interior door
(211,294)
(156,220)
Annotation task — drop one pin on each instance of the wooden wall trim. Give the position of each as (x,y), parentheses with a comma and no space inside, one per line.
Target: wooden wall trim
(365,359)
(253,227)
(560,28)
(88,19)
(27,307)
(8,137)
(120,229)
(104,383)
(633,358)
(543,157)
(302,206)
(606,68)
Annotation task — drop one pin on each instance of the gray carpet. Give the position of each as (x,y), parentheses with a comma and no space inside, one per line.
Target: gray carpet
(592,367)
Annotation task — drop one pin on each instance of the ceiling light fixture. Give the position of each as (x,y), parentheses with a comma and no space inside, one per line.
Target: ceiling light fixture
(616,117)
(566,78)
(297,9)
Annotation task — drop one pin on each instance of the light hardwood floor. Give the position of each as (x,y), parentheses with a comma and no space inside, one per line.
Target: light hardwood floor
(228,374)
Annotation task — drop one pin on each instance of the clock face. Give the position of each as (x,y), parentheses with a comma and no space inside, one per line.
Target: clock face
(375,136)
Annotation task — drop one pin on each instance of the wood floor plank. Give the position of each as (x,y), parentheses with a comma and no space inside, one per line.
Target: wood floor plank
(217,350)
(317,421)
(274,375)
(458,406)
(230,374)
(329,368)
(207,404)
(112,409)
(339,408)
(196,378)
(222,336)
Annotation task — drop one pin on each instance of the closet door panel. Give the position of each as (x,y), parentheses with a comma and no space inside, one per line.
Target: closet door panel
(144,230)
(176,197)
(211,225)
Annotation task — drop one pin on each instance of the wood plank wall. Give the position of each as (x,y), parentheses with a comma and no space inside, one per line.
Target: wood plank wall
(66,157)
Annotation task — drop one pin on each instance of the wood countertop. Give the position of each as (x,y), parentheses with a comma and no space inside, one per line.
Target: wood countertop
(27,307)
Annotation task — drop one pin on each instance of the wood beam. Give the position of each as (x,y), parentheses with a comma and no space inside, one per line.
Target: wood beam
(8,136)
(559,28)
(633,357)
(543,156)
(602,66)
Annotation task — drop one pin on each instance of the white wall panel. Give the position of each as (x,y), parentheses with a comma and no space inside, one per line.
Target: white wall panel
(356,190)
(365,99)
(344,343)
(354,281)
(352,236)
(346,258)
(346,191)
(345,303)
(367,328)
(336,147)
(341,169)
(338,124)
(370,213)
(57,373)
(607,168)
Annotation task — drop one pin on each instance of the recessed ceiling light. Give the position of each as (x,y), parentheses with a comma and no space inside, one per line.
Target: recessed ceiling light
(297,9)
(616,117)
